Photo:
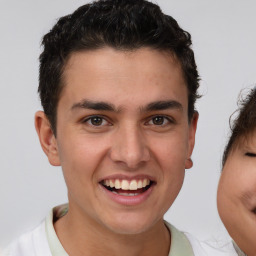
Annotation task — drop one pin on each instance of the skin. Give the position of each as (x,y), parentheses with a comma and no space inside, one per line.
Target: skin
(237,194)
(127,143)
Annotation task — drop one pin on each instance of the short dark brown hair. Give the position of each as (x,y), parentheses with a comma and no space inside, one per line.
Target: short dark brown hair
(120,24)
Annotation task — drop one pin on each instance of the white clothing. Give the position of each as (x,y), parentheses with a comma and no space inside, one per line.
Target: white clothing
(32,243)
(43,241)
(211,248)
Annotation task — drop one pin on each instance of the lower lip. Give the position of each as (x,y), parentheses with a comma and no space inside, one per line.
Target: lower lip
(128,200)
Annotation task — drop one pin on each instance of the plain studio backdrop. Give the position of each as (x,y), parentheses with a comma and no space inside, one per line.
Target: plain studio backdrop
(224,42)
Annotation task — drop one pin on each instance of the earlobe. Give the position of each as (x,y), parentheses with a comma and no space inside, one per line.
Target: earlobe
(189,163)
(47,138)
(191,140)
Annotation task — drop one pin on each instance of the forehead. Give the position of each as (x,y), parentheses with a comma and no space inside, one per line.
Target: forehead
(144,74)
(248,140)
(243,143)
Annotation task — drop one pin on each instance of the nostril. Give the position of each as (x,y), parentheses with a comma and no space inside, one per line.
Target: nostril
(130,149)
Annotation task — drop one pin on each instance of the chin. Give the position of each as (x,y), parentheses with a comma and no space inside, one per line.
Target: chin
(128,225)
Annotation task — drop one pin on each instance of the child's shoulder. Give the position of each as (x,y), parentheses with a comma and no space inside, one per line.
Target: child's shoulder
(212,247)
(180,240)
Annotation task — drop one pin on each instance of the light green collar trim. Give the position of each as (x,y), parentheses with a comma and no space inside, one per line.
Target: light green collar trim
(180,244)
(53,241)
(238,250)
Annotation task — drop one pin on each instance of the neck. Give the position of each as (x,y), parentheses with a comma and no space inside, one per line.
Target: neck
(83,237)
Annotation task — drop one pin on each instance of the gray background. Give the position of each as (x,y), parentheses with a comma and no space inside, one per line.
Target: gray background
(224,41)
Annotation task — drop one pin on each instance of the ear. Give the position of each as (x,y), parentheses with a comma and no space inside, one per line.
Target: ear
(191,139)
(47,138)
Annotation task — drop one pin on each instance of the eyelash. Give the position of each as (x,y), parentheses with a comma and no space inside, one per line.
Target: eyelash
(166,120)
(90,118)
(250,154)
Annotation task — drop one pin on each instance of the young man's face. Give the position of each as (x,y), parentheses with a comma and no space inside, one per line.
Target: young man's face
(237,194)
(123,137)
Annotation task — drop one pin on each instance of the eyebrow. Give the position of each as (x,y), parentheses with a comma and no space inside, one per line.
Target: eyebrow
(95,105)
(105,106)
(163,105)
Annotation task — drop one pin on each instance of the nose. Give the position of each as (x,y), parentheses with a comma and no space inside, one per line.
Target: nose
(129,148)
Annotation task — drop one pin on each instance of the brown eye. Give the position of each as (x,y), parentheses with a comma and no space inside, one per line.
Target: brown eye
(161,121)
(158,120)
(96,120)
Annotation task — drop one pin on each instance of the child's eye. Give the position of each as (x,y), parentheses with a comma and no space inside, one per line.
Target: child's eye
(250,154)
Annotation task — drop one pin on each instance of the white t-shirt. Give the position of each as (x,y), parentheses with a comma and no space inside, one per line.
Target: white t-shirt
(43,241)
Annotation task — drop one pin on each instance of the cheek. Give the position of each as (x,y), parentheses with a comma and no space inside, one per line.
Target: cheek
(228,191)
(247,193)
(238,182)
(171,151)
(171,157)
(80,158)
(236,191)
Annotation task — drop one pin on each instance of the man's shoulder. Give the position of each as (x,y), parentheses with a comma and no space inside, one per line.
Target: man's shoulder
(31,243)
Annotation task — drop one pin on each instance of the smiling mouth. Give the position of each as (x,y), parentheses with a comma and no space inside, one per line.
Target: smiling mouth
(127,188)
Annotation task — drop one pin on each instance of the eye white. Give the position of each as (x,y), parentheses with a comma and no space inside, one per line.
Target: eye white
(96,121)
(158,121)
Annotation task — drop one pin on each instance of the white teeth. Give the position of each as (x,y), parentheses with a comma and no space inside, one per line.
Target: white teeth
(117,184)
(111,184)
(127,185)
(144,183)
(128,194)
(133,185)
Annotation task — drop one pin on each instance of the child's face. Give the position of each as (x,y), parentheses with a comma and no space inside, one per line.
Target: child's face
(237,194)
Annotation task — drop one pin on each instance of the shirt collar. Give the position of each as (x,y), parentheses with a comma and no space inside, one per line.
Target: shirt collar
(180,245)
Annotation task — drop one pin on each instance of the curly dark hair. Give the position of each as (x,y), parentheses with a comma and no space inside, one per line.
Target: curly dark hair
(243,124)
(120,24)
